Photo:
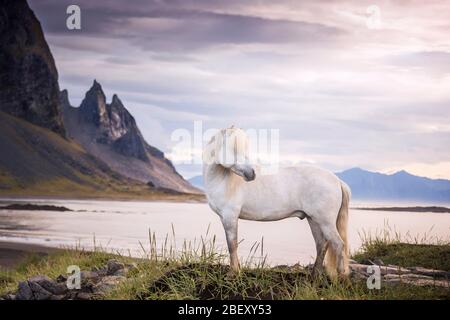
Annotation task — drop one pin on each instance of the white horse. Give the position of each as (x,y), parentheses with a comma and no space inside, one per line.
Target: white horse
(235,192)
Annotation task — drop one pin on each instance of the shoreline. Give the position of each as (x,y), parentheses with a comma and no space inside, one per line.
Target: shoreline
(196,198)
(12,253)
(434,209)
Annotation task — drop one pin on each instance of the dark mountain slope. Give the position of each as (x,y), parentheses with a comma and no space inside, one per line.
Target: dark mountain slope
(36,159)
(38,162)
(28,77)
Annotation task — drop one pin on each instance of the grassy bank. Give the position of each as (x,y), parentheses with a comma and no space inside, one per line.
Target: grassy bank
(68,190)
(199,272)
(391,247)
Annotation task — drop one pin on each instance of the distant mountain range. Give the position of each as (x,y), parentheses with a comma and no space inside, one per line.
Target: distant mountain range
(49,147)
(367,185)
(374,186)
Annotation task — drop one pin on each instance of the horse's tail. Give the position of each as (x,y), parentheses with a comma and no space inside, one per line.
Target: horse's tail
(341,224)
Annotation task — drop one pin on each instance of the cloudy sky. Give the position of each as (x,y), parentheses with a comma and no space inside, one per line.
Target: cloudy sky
(344,87)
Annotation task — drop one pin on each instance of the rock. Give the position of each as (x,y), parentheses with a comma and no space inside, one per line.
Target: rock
(409,276)
(88,275)
(101,271)
(93,283)
(431,272)
(39,292)
(391,269)
(114,266)
(121,272)
(24,291)
(50,285)
(84,296)
(415,279)
(106,284)
(61,278)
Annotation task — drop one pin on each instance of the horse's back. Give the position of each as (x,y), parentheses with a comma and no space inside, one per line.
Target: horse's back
(320,190)
(302,188)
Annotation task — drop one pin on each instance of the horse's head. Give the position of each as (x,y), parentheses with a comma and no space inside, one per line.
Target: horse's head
(230,149)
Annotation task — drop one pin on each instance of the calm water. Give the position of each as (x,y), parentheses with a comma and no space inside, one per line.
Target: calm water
(122,226)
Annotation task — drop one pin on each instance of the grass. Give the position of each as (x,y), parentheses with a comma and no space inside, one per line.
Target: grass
(391,247)
(197,270)
(94,188)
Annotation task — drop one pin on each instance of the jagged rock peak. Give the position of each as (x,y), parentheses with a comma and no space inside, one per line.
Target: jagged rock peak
(93,107)
(64,98)
(115,126)
(97,90)
(116,103)
(115,99)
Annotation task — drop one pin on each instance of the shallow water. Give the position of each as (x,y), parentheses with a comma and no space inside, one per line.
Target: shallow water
(124,226)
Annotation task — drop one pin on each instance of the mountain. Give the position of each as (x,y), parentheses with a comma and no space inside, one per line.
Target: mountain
(400,186)
(29,79)
(109,132)
(38,155)
(38,161)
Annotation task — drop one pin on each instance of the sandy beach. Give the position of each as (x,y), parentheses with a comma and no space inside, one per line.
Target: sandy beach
(12,253)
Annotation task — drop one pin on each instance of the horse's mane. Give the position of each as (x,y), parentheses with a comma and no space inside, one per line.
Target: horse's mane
(227,141)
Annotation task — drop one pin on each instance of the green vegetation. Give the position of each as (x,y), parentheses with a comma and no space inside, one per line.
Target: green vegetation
(391,247)
(198,271)
(95,189)
(51,166)
(408,255)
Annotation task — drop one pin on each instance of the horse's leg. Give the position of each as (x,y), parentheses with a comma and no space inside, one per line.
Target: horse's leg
(231,229)
(321,246)
(331,233)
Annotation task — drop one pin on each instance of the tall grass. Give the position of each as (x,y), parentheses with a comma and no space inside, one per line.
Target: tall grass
(406,250)
(389,234)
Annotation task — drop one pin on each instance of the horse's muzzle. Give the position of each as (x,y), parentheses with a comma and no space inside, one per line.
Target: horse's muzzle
(249,175)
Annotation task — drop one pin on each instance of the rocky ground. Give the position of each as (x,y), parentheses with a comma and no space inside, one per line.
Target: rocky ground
(94,284)
(98,282)
(392,274)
